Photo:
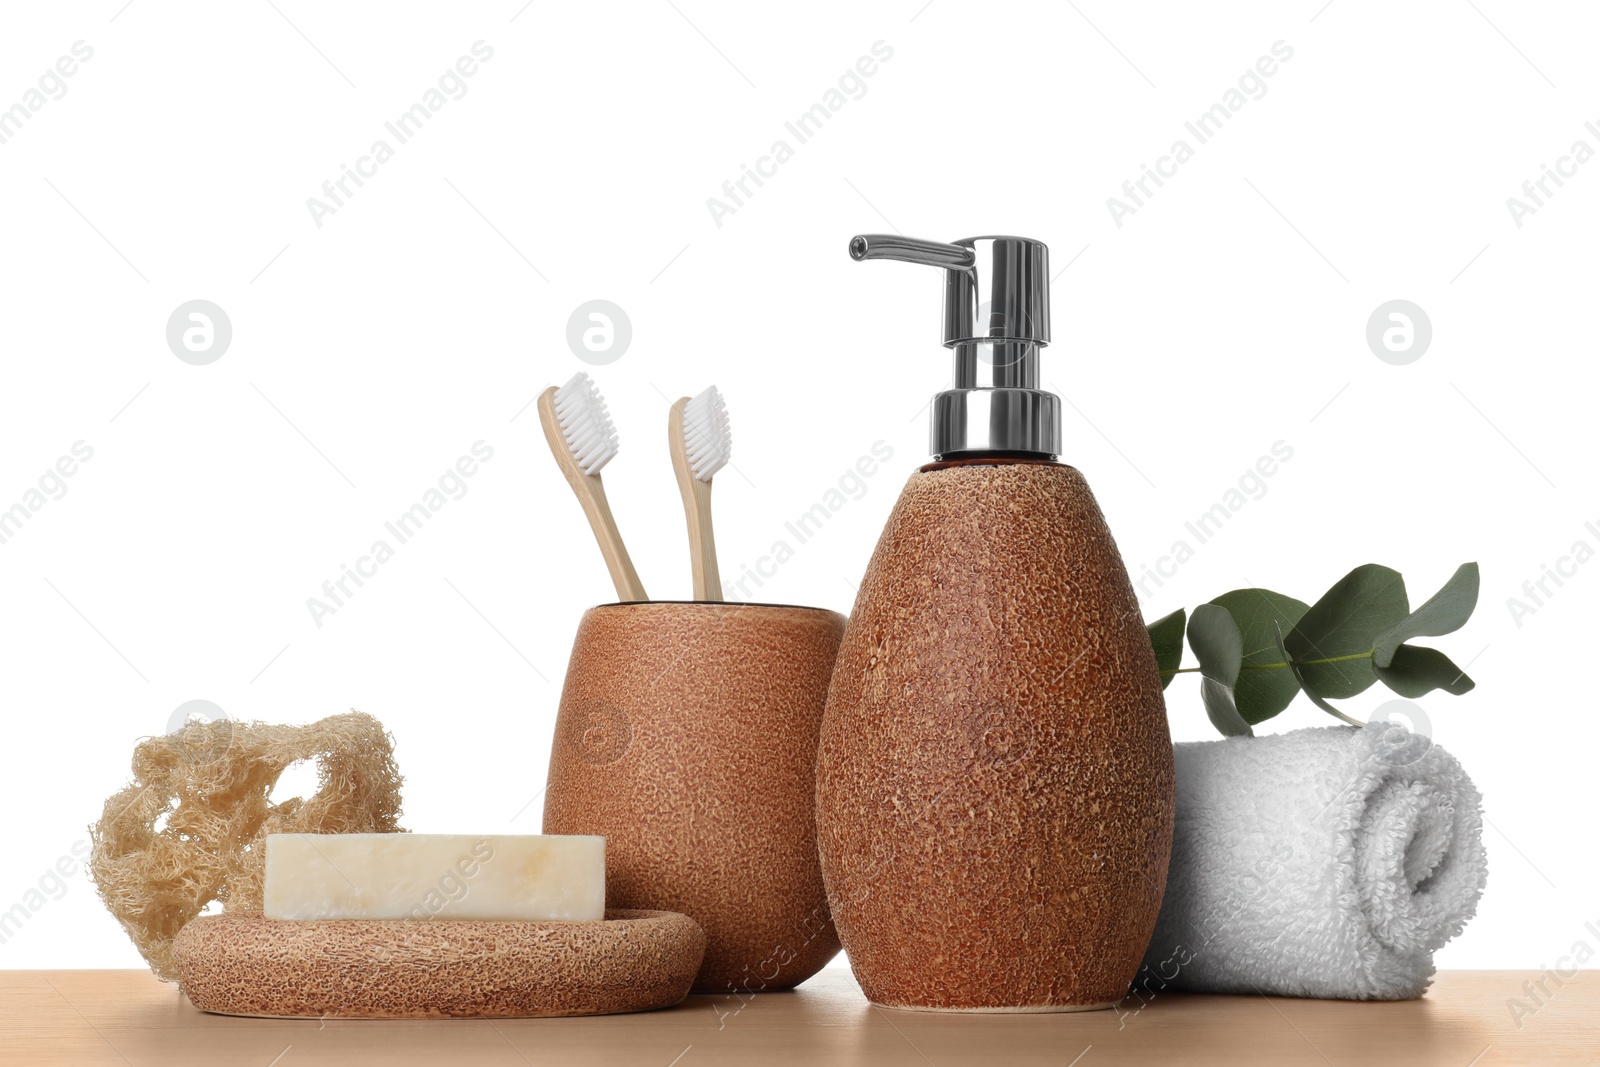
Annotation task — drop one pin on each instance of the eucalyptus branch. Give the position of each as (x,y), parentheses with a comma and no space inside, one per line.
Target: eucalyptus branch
(1257,648)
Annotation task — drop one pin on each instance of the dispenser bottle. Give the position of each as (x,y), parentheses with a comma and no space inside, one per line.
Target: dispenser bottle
(995,781)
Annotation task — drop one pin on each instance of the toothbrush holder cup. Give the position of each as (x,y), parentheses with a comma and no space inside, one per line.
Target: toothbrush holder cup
(687,736)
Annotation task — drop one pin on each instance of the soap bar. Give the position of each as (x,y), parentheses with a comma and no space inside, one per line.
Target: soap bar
(435,876)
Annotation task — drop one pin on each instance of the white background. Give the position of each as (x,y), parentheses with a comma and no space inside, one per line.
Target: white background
(368,354)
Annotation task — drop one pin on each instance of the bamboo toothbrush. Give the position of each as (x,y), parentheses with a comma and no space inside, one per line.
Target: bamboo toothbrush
(701,444)
(583,440)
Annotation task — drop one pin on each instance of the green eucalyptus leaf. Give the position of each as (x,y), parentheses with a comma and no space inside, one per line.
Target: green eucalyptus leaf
(1277,633)
(1218,646)
(1332,643)
(1414,671)
(1166,637)
(1445,612)
(1266,682)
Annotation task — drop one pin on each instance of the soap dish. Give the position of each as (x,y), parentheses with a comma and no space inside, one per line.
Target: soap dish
(247,964)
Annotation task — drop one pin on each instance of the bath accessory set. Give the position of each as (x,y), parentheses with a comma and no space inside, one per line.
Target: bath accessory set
(969,783)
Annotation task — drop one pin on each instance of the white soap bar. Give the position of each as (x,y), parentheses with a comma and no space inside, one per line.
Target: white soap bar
(435,876)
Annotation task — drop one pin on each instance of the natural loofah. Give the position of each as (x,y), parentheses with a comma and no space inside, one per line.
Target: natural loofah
(212,781)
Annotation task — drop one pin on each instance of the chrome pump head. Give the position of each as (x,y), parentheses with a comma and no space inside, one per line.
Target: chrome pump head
(996,318)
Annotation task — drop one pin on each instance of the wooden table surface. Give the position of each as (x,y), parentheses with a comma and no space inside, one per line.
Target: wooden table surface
(123,1018)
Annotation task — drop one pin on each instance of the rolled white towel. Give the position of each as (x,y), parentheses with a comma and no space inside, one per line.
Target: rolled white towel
(1326,862)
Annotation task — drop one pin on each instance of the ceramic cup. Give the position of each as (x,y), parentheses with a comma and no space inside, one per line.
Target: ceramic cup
(687,737)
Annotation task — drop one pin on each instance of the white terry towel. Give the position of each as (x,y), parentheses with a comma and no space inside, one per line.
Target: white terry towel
(1327,862)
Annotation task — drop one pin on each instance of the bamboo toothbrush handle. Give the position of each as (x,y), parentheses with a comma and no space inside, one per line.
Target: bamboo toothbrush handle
(696,509)
(591,493)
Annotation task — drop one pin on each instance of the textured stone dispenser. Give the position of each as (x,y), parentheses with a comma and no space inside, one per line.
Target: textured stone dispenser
(995,782)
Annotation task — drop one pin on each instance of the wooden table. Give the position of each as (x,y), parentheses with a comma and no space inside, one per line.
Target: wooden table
(123,1018)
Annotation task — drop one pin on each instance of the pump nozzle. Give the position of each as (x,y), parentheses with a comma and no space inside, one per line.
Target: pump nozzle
(996,319)
(910,250)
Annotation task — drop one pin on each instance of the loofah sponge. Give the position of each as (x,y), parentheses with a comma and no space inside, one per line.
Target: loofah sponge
(212,782)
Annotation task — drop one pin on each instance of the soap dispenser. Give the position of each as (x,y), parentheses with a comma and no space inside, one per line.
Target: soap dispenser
(995,781)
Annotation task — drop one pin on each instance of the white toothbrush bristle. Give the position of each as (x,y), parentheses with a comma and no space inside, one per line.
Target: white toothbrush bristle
(585,423)
(707,438)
